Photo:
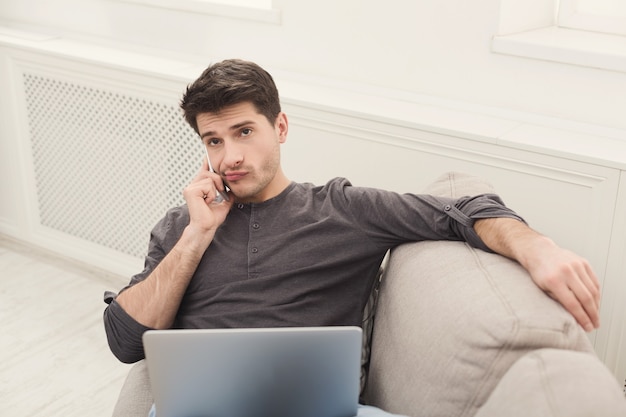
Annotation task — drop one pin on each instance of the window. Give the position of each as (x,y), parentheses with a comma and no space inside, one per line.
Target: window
(607,16)
(589,33)
(258,10)
(253,4)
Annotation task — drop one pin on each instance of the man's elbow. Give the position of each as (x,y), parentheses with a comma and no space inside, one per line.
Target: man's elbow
(124,341)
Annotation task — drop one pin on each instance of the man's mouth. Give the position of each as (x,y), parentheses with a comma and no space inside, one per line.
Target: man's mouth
(234,176)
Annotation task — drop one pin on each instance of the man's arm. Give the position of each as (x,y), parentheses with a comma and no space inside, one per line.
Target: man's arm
(564,276)
(154,301)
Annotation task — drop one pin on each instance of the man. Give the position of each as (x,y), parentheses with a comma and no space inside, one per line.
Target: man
(277,253)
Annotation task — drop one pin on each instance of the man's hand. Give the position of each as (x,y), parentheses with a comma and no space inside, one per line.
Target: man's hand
(205,215)
(563,275)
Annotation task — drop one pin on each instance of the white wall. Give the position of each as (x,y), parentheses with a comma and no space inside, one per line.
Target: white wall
(422,46)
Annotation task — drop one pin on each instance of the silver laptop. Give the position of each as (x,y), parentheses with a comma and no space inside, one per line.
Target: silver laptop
(277,372)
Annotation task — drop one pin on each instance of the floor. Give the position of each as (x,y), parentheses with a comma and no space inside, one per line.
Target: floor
(54,358)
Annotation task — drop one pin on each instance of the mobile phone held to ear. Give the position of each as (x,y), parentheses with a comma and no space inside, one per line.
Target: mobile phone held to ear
(221,196)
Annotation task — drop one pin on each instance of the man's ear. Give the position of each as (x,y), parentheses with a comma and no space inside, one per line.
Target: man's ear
(282,127)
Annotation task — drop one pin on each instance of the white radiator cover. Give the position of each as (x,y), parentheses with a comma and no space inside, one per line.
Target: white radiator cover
(106,163)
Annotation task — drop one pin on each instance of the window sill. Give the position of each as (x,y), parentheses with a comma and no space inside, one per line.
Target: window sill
(569,46)
(271,16)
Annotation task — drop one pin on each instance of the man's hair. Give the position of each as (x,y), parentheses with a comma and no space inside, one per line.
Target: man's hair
(227,83)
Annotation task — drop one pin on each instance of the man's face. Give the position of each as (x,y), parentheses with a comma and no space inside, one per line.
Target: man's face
(244,148)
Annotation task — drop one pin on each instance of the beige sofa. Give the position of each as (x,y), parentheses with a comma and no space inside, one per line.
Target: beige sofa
(462,332)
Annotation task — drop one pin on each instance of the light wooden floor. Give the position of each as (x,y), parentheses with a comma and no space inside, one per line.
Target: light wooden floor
(54,358)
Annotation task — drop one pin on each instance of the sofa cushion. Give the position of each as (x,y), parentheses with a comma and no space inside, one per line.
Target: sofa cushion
(556,383)
(135,397)
(452,319)
(458,184)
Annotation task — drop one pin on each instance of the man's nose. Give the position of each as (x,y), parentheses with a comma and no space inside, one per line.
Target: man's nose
(233,156)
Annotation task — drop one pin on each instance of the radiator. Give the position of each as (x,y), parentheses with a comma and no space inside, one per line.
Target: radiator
(107,164)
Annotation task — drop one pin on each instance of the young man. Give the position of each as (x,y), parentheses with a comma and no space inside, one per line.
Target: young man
(279,253)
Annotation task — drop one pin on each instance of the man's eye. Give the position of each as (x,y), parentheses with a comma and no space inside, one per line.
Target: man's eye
(213,142)
(245,132)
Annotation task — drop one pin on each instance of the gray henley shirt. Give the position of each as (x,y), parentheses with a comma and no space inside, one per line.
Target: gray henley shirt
(307,257)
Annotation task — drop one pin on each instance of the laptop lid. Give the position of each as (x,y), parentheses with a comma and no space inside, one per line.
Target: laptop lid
(277,372)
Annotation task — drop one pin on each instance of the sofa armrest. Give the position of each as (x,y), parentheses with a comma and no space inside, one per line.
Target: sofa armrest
(450,322)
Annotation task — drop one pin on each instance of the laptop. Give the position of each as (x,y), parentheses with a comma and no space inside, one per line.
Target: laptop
(267,372)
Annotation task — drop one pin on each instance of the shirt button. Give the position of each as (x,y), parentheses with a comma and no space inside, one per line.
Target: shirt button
(256,226)
(255,250)
(447,207)
(240,206)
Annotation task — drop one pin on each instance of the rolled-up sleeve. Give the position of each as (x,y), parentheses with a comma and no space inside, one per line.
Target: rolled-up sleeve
(465,211)
(123,332)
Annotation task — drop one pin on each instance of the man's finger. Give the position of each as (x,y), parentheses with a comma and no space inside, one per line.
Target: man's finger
(586,293)
(595,282)
(569,300)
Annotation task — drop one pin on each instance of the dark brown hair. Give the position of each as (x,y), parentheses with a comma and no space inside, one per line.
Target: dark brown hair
(228,83)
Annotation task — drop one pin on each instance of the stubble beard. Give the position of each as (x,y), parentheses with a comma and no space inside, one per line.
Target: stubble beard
(259,180)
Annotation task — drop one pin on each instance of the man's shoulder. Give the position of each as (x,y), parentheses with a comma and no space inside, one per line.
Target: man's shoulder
(333,185)
(176,218)
(335,194)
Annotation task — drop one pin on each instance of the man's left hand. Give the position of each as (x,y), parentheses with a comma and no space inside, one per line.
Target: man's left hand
(565,276)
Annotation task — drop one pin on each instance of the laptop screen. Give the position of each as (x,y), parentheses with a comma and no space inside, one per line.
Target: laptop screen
(268,372)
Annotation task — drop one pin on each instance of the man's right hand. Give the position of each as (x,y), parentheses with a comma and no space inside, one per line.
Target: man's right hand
(205,215)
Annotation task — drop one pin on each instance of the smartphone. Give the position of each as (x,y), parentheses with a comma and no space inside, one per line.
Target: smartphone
(221,196)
